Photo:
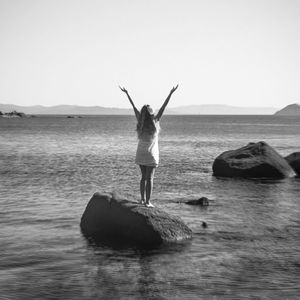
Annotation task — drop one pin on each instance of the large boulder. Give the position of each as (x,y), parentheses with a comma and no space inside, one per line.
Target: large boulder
(110,218)
(294,161)
(255,160)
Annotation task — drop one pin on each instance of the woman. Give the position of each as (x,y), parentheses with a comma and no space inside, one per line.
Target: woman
(147,154)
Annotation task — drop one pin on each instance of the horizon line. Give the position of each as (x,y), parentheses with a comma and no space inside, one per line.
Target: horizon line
(170,107)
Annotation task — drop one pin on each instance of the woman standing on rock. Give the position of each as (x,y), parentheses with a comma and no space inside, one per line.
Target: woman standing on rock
(147,154)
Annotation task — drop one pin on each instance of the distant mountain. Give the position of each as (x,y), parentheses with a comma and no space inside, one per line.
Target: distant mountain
(219,109)
(65,110)
(290,110)
(208,109)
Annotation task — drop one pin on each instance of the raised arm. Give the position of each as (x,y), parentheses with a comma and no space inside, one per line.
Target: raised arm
(137,113)
(162,109)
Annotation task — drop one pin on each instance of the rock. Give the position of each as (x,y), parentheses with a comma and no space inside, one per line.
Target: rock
(107,217)
(294,161)
(203,201)
(255,160)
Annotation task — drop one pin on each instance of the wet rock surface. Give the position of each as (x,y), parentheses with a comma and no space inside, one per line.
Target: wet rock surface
(119,219)
(256,160)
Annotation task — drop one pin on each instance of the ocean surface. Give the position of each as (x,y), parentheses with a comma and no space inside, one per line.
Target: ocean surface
(51,166)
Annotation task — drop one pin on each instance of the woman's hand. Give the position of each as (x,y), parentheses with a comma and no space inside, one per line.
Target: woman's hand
(161,111)
(174,89)
(137,113)
(123,90)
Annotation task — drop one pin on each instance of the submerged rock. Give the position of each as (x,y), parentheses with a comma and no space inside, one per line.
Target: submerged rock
(294,161)
(254,160)
(119,219)
(203,201)
(204,224)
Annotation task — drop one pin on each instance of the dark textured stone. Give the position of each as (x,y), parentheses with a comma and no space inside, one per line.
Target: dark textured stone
(119,219)
(256,160)
(294,161)
(203,201)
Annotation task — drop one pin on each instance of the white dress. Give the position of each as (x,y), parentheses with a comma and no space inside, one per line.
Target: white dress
(147,153)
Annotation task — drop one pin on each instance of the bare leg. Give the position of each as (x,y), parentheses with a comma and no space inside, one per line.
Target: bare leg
(149,184)
(143,183)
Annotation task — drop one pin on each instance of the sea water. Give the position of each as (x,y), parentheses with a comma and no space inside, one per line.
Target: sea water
(50,166)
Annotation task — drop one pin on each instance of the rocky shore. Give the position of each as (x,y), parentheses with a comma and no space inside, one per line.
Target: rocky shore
(12,114)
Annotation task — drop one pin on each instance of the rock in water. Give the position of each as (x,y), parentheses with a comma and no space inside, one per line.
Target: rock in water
(203,201)
(255,160)
(294,161)
(120,219)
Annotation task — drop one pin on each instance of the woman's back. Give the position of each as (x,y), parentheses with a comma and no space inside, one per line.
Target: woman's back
(147,134)
(147,151)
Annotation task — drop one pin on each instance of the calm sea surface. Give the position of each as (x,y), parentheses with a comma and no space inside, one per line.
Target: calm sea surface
(51,166)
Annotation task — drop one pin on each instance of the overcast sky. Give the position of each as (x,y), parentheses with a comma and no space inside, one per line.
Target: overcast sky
(236,52)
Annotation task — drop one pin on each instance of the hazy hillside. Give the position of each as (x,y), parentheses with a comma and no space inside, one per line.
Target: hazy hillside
(215,109)
(208,109)
(290,110)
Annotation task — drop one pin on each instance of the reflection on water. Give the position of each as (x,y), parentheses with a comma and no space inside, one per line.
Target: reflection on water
(138,271)
(50,168)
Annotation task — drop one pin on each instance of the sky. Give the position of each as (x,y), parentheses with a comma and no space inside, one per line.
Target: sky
(235,52)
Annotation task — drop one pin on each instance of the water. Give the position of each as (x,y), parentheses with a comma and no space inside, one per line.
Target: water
(51,166)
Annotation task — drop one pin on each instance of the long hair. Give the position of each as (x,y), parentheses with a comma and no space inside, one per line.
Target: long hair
(146,124)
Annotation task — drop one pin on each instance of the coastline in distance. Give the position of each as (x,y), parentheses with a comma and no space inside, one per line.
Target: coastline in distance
(205,109)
